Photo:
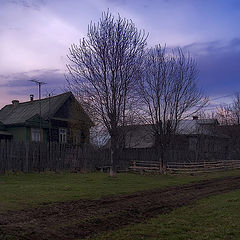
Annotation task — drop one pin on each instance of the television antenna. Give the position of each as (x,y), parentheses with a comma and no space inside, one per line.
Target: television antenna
(39,83)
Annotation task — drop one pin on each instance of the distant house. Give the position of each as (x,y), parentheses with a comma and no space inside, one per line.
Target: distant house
(142,136)
(195,139)
(62,120)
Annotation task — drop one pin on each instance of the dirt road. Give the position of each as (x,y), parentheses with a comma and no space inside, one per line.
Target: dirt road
(84,218)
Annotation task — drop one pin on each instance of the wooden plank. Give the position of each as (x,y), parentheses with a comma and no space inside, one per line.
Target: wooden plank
(138,167)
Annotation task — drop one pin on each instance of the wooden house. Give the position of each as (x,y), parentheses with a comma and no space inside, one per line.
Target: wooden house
(58,119)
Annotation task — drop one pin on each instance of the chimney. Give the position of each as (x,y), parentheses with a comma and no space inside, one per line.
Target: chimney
(31,97)
(15,102)
(195,118)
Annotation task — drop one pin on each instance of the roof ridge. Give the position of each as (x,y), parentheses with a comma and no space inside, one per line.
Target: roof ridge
(42,99)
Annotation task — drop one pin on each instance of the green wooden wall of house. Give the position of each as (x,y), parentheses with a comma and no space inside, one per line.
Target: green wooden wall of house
(24,133)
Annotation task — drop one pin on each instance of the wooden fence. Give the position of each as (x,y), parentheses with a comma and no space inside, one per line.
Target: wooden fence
(202,166)
(29,157)
(32,156)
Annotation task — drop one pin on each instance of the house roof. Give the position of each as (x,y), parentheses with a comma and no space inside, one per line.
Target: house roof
(141,136)
(187,126)
(24,111)
(199,126)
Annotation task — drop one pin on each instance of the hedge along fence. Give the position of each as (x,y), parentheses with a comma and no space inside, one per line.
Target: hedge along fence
(32,156)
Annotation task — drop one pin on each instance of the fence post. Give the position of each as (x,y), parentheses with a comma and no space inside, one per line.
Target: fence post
(134,165)
(26,168)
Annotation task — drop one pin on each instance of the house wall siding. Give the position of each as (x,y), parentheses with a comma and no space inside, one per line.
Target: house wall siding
(79,125)
(19,133)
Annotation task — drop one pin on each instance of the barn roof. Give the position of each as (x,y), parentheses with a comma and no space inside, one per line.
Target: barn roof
(21,112)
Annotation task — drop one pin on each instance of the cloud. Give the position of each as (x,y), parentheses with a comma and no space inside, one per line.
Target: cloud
(18,86)
(33,39)
(117,2)
(22,79)
(219,65)
(33,4)
(213,47)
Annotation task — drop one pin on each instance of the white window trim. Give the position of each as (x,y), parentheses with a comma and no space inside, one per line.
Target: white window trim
(36,134)
(62,135)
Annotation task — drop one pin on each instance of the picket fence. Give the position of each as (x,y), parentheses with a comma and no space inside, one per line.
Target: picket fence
(32,156)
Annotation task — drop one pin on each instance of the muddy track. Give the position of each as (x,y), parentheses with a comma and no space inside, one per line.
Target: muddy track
(84,218)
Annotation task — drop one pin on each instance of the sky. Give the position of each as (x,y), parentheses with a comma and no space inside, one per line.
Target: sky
(35,36)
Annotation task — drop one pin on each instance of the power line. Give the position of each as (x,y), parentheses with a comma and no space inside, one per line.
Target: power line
(213,108)
(217,105)
(221,97)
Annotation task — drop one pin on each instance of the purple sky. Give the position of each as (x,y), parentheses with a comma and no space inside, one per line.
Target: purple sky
(35,36)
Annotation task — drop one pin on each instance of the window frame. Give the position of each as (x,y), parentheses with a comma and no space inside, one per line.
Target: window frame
(62,136)
(36,134)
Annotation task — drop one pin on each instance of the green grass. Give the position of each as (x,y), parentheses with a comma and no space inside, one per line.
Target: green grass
(213,218)
(19,191)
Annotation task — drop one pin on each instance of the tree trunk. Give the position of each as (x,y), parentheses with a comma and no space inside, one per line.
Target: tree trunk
(112,171)
(113,150)
(163,169)
(161,159)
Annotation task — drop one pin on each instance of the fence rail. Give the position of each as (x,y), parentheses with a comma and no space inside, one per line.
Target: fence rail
(201,166)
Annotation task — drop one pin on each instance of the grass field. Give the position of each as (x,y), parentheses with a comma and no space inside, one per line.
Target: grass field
(214,218)
(19,191)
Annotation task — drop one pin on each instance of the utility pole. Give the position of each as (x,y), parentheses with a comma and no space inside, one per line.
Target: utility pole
(49,109)
(40,120)
(40,106)
(49,128)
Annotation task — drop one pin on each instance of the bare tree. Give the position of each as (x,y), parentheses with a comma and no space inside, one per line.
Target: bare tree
(104,69)
(224,115)
(169,93)
(236,108)
(230,114)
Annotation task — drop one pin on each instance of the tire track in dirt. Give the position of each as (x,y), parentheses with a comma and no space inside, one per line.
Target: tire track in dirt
(84,218)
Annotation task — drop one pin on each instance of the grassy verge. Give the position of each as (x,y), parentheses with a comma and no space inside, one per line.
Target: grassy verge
(214,218)
(19,191)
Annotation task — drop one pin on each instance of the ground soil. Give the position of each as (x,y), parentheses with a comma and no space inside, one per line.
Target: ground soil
(84,218)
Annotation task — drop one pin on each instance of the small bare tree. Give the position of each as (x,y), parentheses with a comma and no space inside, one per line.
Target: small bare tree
(224,115)
(230,114)
(169,93)
(236,108)
(105,68)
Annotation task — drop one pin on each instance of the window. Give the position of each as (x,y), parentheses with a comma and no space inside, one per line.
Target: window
(36,134)
(62,135)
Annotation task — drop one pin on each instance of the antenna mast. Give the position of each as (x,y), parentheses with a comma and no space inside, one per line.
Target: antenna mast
(39,83)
